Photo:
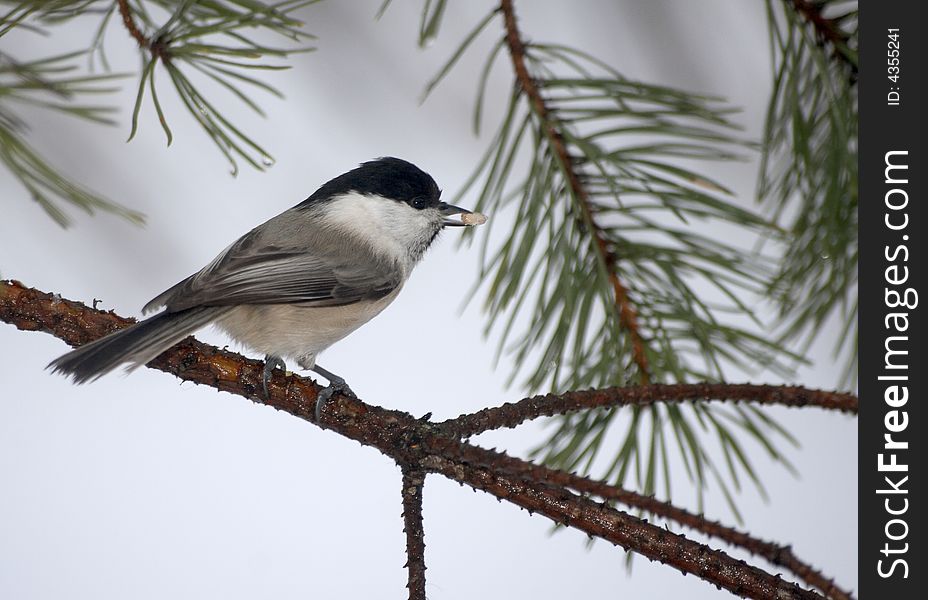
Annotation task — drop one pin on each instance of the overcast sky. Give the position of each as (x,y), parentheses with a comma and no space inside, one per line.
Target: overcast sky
(143,487)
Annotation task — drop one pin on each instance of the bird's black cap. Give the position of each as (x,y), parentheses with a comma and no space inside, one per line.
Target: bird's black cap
(389,177)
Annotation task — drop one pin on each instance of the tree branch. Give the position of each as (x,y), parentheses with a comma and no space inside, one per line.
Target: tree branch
(628,316)
(413,480)
(408,441)
(512,414)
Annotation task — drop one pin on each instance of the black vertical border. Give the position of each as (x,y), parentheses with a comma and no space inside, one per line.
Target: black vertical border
(885,128)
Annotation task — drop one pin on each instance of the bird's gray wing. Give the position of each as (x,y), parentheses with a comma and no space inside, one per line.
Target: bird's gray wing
(320,272)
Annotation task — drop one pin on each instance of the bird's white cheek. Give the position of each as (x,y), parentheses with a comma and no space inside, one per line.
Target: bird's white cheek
(411,226)
(389,227)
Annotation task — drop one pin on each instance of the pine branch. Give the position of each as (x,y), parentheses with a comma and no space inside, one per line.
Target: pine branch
(413,481)
(609,197)
(552,130)
(214,39)
(408,441)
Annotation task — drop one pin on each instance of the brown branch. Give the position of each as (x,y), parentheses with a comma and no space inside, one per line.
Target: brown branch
(776,554)
(628,316)
(408,441)
(515,413)
(413,480)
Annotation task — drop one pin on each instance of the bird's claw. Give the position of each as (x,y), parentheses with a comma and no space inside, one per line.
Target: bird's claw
(270,363)
(336,386)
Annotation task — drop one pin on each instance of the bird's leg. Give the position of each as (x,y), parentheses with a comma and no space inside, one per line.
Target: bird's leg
(336,384)
(270,363)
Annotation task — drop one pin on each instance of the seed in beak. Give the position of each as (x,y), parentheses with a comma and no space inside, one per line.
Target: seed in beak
(473,218)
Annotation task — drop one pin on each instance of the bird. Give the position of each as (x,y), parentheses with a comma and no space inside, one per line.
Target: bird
(298,283)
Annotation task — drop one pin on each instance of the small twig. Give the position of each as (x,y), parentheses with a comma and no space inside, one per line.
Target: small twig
(516,413)
(628,316)
(413,480)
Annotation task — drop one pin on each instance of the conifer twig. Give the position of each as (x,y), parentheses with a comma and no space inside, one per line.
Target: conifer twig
(216,39)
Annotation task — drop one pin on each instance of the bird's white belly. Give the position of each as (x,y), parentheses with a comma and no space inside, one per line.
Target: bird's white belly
(297,332)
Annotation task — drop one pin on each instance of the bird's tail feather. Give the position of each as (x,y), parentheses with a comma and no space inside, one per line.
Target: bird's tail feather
(136,344)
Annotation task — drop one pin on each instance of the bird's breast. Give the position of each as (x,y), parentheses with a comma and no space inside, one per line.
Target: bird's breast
(298,331)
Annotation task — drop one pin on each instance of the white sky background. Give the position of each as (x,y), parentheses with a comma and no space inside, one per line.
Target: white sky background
(142,487)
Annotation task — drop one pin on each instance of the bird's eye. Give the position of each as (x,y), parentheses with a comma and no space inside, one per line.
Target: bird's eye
(419,203)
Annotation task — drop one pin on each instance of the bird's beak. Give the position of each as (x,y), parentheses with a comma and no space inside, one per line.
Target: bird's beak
(449,210)
(467,217)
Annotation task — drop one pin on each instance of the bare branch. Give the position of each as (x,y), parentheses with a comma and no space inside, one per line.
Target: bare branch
(413,480)
(512,414)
